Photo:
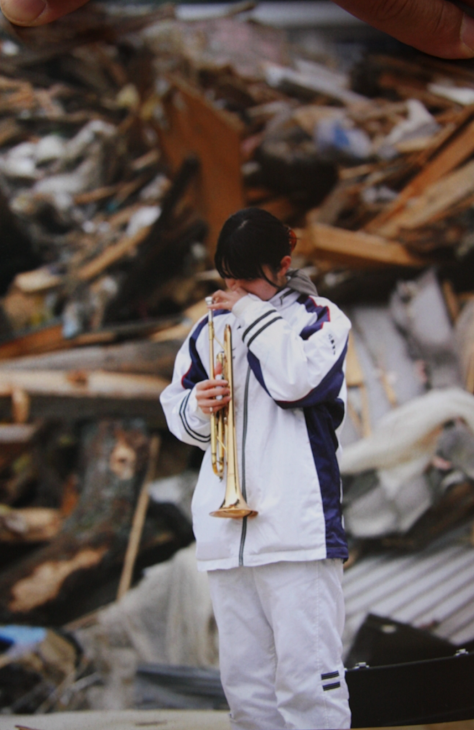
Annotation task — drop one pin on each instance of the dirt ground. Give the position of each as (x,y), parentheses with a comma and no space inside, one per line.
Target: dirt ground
(124,720)
(160,719)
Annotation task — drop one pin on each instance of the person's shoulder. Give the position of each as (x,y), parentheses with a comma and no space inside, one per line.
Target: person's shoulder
(315,302)
(322,309)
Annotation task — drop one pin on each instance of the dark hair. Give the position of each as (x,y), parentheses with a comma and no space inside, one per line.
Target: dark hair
(249,240)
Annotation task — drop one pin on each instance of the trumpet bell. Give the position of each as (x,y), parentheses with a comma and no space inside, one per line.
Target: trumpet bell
(237,510)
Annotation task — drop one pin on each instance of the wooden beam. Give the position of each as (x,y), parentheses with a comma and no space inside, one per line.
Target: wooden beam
(29,524)
(82,384)
(77,395)
(112,254)
(51,339)
(195,126)
(133,357)
(452,155)
(355,248)
(435,201)
(42,340)
(138,520)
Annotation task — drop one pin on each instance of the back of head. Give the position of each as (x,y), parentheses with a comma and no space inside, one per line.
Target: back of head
(249,240)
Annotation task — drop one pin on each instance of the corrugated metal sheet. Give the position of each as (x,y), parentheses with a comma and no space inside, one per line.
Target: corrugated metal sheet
(431,589)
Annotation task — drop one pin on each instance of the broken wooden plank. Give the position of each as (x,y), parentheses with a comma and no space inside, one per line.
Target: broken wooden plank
(94,196)
(41,340)
(112,255)
(180,331)
(114,455)
(287,79)
(136,357)
(452,155)
(435,200)
(38,280)
(354,248)
(195,126)
(29,524)
(51,338)
(78,395)
(138,520)
(82,384)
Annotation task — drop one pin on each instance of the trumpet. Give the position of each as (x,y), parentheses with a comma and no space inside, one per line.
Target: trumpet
(223,433)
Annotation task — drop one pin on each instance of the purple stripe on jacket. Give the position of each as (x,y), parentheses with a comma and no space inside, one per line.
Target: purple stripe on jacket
(196,371)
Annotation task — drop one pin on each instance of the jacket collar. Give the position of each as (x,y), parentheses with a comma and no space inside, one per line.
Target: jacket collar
(298,283)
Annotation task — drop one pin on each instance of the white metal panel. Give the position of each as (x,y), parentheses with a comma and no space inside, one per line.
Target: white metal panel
(433,587)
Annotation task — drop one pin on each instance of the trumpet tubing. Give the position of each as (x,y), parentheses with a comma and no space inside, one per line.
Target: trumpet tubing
(223,433)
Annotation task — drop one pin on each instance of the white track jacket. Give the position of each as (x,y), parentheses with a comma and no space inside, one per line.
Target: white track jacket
(289,396)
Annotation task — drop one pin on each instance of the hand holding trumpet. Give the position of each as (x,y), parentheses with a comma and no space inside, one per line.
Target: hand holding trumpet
(213,395)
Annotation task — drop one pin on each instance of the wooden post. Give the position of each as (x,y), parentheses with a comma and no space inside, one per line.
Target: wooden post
(138,521)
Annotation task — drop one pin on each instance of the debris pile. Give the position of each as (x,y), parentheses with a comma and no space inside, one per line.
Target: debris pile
(126,139)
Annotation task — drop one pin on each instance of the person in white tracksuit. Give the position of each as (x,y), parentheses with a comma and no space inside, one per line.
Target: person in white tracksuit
(275,579)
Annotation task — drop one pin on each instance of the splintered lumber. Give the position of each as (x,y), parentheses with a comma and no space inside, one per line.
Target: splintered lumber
(39,280)
(51,338)
(79,394)
(433,202)
(355,248)
(135,357)
(138,521)
(452,155)
(114,454)
(29,524)
(195,126)
(42,340)
(82,384)
(314,82)
(112,255)
(178,333)
(162,252)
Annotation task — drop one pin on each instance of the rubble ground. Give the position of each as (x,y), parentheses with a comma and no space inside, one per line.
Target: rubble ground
(125,720)
(167,719)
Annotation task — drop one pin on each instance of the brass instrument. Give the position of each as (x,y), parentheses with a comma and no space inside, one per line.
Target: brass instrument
(223,436)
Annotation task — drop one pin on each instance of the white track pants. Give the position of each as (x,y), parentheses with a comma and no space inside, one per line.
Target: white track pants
(280,648)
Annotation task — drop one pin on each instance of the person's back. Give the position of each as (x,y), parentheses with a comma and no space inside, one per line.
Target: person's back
(275,578)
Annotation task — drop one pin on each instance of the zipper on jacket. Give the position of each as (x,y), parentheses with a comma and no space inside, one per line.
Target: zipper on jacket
(244,489)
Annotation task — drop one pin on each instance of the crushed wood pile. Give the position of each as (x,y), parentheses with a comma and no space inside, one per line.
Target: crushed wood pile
(126,139)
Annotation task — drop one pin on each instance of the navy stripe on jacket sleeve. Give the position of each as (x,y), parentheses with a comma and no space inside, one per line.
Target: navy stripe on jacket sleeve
(184,420)
(196,371)
(322,313)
